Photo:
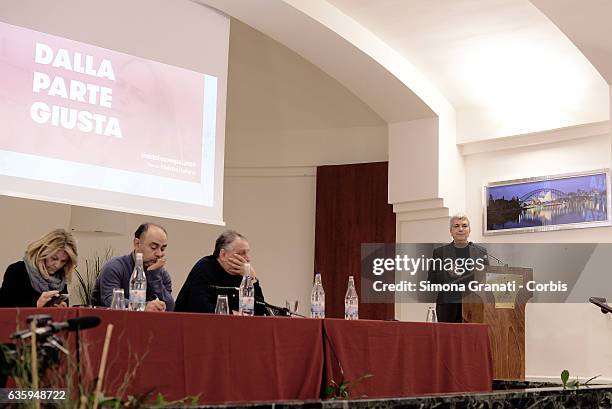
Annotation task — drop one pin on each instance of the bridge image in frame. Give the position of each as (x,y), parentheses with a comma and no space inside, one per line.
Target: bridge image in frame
(547,203)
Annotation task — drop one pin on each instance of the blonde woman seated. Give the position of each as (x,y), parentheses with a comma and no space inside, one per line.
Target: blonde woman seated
(43,274)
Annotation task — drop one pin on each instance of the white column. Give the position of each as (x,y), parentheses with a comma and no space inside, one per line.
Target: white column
(426,186)
(426,178)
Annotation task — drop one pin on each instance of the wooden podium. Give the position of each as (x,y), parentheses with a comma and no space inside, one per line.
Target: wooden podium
(504,312)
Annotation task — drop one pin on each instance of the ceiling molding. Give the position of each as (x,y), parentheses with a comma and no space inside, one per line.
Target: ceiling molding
(536,138)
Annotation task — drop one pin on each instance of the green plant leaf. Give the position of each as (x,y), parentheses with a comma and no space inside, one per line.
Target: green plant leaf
(591,379)
(343,390)
(87,276)
(193,400)
(159,399)
(343,387)
(564,377)
(329,391)
(361,379)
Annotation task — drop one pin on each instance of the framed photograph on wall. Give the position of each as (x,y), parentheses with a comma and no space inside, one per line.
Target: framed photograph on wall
(568,201)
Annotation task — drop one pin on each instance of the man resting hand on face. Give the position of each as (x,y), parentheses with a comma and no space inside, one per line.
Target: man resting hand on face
(151,240)
(219,273)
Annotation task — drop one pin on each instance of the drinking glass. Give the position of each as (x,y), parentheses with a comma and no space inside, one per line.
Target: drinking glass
(119,301)
(431,315)
(292,306)
(222,307)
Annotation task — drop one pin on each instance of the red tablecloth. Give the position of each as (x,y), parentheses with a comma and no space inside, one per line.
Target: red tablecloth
(223,358)
(232,359)
(408,358)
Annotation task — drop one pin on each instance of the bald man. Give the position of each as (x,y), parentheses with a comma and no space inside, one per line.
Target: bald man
(151,240)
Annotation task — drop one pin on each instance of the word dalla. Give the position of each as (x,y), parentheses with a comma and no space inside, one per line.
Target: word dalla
(74,90)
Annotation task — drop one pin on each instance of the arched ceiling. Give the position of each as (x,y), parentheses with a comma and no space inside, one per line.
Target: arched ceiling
(363,75)
(474,48)
(587,24)
(504,66)
(500,65)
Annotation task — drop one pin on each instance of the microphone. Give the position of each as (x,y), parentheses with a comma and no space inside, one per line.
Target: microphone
(72,324)
(470,273)
(219,287)
(483,249)
(273,309)
(276,310)
(601,303)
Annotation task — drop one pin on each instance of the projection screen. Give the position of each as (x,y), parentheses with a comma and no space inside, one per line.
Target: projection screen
(90,126)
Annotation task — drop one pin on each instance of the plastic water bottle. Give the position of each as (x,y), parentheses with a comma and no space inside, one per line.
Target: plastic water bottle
(138,286)
(351,301)
(246,295)
(317,299)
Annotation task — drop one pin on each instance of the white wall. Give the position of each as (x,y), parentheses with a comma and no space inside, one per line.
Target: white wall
(413,165)
(22,221)
(558,336)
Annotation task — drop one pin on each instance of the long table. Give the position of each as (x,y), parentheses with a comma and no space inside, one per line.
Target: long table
(240,359)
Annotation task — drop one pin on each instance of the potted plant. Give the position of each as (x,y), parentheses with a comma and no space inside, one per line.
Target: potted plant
(87,277)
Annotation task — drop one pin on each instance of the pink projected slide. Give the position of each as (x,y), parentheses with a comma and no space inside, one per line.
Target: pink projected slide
(61,99)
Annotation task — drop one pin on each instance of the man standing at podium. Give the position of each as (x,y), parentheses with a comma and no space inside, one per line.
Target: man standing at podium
(448,304)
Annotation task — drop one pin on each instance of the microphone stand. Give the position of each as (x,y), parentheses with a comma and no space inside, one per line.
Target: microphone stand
(267,306)
(488,254)
(465,277)
(55,342)
(601,303)
(272,308)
